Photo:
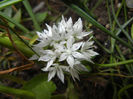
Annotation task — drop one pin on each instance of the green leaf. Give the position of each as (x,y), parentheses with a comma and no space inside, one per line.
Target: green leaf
(132,31)
(40,86)
(29,10)
(6,3)
(41,16)
(5,41)
(16,17)
(8,11)
(17,92)
(14,22)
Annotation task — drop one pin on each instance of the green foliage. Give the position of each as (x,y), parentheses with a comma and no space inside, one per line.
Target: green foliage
(6,3)
(40,86)
(20,45)
(16,17)
(40,17)
(17,92)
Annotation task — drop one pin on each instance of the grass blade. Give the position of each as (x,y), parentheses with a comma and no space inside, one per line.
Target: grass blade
(6,3)
(14,22)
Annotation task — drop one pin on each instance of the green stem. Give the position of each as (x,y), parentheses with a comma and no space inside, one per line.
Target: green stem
(123,58)
(17,92)
(115,64)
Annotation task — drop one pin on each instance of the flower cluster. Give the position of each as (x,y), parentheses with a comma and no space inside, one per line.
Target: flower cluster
(63,48)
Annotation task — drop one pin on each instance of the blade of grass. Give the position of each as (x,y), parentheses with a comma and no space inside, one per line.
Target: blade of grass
(36,24)
(115,18)
(115,64)
(14,22)
(29,10)
(123,26)
(6,3)
(125,13)
(123,58)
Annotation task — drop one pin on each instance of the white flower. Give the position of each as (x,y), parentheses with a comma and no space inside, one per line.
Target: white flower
(87,50)
(76,69)
(71,52)
(48,56)
(56,69)
(63,47)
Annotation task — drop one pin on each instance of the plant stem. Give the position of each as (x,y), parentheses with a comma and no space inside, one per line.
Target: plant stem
(115,64)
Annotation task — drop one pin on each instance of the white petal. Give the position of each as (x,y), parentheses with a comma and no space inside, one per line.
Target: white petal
(76,46)
(70,41)
(78,25)
(92,53)
(80,67)
(70,61)
(51,74)
(48,52)
(49,64)
(61,28)
(87,45)
(63,21)
(42,44)
(34,57)
(44,58)
(83,34)
(69,22)
(41,35)
(60,75)
(63,56)
(74,73)
(49,30)
(78,55)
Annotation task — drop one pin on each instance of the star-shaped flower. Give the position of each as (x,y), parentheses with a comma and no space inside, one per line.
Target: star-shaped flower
(71,52)
(63,47)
